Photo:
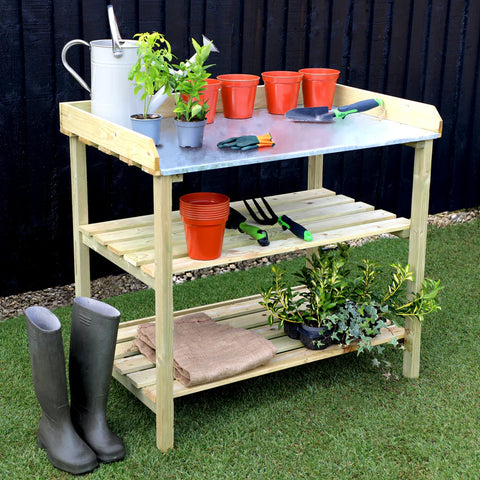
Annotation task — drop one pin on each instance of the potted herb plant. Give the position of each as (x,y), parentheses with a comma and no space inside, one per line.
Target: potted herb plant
(341,307)
(188,81)
(151,75)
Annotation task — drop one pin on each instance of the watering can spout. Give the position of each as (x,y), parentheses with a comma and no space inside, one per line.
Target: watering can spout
(213,48)
(157,100)
(160,96)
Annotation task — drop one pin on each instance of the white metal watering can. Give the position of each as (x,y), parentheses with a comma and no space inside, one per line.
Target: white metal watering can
(112,93)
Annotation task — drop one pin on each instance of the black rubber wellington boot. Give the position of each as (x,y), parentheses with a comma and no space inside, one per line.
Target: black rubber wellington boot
(65,449)
(92,349)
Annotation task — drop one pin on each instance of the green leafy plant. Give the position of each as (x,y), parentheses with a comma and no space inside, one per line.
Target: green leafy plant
(352,306)
(327,287)
(282,303)
(151,72)
(188,80)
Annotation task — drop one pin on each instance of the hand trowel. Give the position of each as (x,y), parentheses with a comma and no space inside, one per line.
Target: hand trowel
(324,115)
(238,221)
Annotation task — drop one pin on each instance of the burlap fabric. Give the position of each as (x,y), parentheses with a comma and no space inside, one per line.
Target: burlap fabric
(206,351)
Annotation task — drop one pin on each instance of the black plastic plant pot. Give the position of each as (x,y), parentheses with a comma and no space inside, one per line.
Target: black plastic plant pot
(291,329)
(315,338)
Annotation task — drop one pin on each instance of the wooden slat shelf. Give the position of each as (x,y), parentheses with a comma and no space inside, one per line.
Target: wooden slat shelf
(330,218)
(138,374)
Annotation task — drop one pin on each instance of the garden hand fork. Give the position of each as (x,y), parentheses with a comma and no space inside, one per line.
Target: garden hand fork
(285,222)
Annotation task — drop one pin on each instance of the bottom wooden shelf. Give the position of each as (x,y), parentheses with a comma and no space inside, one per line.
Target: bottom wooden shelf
(138,374)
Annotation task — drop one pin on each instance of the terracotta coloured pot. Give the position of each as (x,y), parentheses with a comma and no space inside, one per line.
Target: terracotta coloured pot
(210,96)
(281,90)
(238,94)
(319,86)
(204,216)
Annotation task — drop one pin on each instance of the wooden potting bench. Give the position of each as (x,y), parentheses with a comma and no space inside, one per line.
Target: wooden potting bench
(152,247)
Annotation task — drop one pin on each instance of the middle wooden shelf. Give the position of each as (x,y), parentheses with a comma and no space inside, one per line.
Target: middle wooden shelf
(331,218)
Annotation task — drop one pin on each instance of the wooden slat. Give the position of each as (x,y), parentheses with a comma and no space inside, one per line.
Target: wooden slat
(132,238)
(114,225)
(288,244)
(118,260)
(142,373)
(138,374)
(326,215)
(134,363)
(124,234)
(145,397)
(331,207)
(288,359)
(314,220)
(125,349)
(76,118)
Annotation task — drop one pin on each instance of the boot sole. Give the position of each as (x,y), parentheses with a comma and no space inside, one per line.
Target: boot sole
(76,470)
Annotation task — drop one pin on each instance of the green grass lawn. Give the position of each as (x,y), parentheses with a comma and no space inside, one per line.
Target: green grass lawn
(336,419)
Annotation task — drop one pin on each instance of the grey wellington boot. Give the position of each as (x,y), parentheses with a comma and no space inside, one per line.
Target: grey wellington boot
(65,449)
(92,350)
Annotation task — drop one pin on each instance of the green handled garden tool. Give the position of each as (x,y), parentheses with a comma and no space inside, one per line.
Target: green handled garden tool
(324,115)
(238,221)
(285,222)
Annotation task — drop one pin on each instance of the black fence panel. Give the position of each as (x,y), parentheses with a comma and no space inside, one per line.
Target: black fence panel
(423,50)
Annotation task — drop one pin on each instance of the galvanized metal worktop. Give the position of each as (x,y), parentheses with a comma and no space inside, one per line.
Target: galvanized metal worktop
(292,140)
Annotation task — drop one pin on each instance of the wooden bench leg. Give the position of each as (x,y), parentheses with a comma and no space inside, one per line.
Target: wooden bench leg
(78,168)
(162,208)
(417,249)
(315,172)
(314,181)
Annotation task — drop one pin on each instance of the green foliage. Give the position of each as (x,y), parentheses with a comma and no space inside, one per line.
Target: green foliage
(281,302)
(350,306)
(325,278)
(151,71)
(188,81)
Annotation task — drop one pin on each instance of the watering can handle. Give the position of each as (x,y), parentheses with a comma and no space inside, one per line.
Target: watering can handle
(74,74)
(116,38)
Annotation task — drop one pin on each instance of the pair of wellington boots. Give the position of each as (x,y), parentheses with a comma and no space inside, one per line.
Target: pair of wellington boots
(76,437)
